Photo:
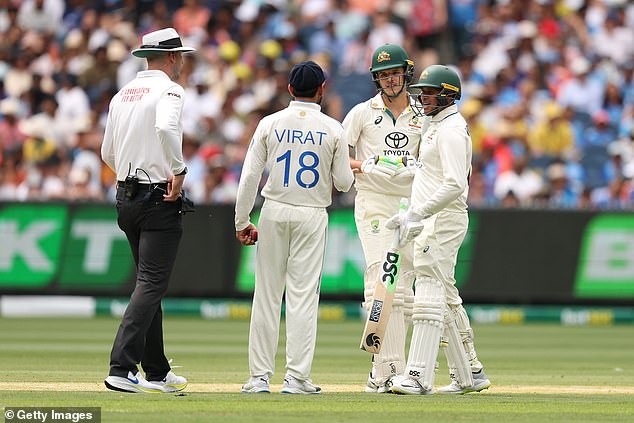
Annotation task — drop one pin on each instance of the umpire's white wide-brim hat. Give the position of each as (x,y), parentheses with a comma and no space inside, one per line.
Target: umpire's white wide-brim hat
(161,41)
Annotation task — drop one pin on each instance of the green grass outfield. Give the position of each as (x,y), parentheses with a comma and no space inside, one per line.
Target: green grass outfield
(541,373)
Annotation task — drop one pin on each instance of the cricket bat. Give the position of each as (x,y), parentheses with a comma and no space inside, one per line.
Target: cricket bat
(381,308)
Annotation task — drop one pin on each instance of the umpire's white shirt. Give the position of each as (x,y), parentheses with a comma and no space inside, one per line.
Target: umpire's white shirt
(144,129)
(442,178)
(371,131)
(304,153)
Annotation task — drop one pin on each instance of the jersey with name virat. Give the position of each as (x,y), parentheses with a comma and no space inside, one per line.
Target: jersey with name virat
(304,154)
(372,130)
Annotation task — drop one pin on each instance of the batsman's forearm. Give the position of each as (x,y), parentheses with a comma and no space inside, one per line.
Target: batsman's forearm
(445,195)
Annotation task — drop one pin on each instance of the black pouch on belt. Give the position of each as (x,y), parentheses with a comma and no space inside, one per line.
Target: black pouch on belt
(131,186)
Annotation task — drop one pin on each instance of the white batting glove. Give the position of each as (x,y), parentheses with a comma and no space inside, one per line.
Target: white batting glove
(410,224)
(379,165)
(408,168)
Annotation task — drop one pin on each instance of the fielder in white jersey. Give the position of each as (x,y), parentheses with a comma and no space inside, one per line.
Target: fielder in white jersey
(303,151)
(439,209)
(384,125)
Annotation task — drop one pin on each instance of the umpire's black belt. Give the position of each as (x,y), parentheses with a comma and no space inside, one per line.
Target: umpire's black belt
(146,187)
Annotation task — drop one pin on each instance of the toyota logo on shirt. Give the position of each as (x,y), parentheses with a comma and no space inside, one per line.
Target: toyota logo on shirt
(396,140)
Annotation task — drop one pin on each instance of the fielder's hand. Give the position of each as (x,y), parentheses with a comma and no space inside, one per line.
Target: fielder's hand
(247,235)
(410,224)
(380,165)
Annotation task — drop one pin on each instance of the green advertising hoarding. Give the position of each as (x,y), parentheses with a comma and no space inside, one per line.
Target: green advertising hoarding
(97,253)
(79,248)
(344,263)
(31,247)
(606,263)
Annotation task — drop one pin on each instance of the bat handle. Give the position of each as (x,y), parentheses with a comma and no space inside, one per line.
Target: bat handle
(396,238)
(403,205)
(402,209)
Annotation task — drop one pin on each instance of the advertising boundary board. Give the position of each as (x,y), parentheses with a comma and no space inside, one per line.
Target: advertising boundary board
(508,257)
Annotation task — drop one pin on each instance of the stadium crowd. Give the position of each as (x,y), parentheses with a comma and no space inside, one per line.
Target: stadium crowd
(548,87)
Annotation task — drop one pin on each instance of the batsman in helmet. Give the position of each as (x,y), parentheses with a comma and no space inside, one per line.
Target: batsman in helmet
(384,134)
(439,206)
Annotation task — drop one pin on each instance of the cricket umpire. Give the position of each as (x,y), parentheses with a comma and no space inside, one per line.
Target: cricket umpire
(143,145)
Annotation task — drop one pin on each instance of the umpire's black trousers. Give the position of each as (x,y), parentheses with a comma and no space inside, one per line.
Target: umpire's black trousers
(153,228)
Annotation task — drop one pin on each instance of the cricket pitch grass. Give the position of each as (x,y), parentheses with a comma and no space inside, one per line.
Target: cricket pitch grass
(540,373)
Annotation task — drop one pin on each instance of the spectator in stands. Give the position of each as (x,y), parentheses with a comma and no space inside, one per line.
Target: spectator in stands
(191,19)
(560,194)
(196,167)
(582,93)
(73,103)
(551,136)
(41,15)
(101,76)
(11,138)
(86,166)
(215,188)
(521,181)
(538,76)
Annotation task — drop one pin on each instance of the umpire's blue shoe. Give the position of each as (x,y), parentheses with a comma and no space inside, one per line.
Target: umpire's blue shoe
(132,383)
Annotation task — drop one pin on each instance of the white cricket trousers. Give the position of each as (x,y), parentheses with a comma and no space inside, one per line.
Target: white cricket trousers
(290,254)
(436,250)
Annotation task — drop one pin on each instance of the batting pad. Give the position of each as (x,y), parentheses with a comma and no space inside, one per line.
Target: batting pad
(390,361)
(428,320)
(408,296)
(464,328)
(457,359)
(370,279)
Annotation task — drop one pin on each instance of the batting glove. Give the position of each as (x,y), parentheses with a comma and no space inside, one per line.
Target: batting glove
(408,168)
(380,165)
(410,224)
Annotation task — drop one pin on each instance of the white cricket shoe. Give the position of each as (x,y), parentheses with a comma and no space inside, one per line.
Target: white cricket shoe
(132,383)
(293,385)
(407,386)
(374,386)
(171,382)
(256,385)
(480,383)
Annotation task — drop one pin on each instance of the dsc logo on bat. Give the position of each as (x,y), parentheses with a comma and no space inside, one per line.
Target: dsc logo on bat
(390,267)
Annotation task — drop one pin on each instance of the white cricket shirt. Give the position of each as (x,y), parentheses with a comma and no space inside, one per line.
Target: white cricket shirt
(441,181)
(370,129)
(304,154)
(144,128)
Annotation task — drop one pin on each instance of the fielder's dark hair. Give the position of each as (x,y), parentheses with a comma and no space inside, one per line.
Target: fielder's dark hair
(304,94)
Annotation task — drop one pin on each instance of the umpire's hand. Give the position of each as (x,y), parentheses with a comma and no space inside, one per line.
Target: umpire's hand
(174,186)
